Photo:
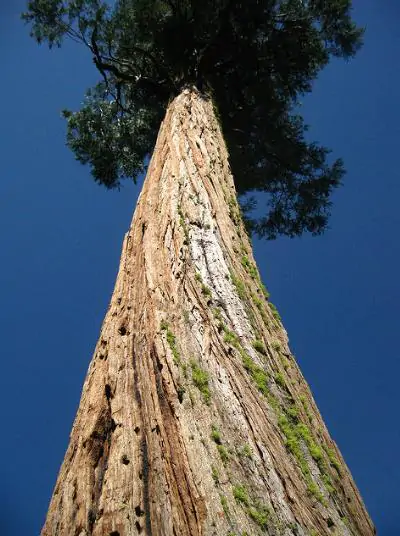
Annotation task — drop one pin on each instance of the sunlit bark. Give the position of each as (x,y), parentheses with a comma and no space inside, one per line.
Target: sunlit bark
(194,417)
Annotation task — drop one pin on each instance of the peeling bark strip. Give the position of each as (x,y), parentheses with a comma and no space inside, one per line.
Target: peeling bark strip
(194,417)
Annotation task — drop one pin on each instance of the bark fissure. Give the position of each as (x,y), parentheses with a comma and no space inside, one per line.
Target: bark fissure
(143,464)
(175,451)
(193,394)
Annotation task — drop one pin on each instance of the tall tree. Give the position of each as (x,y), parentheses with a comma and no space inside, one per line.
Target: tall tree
(194,417)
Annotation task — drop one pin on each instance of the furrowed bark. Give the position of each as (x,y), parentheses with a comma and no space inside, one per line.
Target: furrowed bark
(194,417)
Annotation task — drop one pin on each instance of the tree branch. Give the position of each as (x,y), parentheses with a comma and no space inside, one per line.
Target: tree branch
(223,21)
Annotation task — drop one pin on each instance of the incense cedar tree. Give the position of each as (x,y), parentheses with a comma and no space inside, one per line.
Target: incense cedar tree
(194,417)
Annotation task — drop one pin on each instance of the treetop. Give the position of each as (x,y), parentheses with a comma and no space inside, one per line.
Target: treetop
(254,58)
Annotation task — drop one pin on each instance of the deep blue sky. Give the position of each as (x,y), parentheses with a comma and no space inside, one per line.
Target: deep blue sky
(60,239)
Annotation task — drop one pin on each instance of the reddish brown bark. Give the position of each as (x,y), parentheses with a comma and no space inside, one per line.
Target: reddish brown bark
(194,417)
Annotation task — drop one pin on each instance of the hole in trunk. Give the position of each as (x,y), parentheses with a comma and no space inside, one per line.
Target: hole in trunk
(139,512)
(122,330)
(180,391)
(107,390)
(91,517)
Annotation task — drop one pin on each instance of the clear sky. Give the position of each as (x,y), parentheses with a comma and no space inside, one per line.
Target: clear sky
(60,240)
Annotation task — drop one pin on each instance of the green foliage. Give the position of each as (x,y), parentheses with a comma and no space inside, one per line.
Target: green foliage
(217,314)
(257,511)
(215,474)
(206,291)
(217,438)
(328,484)
(285,362)
(303,400)
(346,522)
(224,504)
(293,413)
(216,435)
(280,380)
(294,432)
(183,224)
(171,340)
(292,442)
(261,307)
(245,451)
(258,375)
(314,490)
(257,302)
(180,392)
(224,454)
(259,346)
(275,312)
(184,369)
(263,289)
(239,285)
(315,451)
(293,445)
(254,59)
(241,495)
(113,143)
(234,211)
(250,267)
(200,379)
(248,363)
(333,459)
(230,337)
(260,515)
(260,378)
(191,397)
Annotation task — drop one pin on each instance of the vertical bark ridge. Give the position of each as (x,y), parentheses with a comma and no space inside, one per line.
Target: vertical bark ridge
(194,417)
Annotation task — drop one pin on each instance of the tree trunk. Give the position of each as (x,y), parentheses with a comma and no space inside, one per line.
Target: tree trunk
(194,417)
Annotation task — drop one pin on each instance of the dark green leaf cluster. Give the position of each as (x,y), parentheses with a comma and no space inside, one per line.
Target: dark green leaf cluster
(253,58)
(114,143)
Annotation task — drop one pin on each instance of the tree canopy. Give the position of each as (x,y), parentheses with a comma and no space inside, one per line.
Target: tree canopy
(254,58)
